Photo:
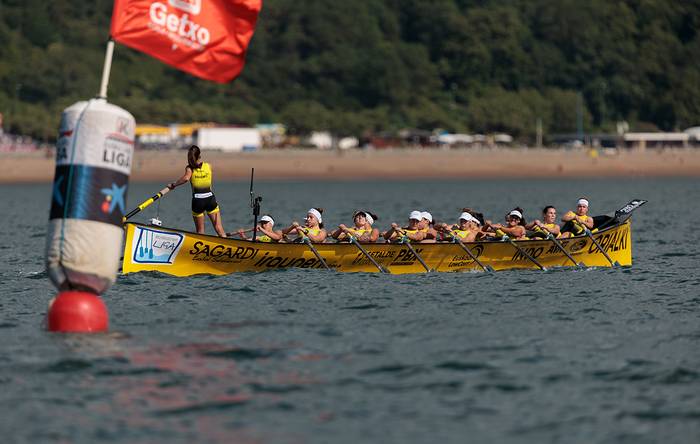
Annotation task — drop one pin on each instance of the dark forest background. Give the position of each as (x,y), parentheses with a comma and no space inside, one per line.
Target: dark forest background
(379,65)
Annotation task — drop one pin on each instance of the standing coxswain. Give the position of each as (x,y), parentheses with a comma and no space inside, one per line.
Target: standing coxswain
(199,174)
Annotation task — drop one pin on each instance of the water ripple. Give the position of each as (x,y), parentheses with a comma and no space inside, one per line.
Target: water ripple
(244,354)
(463,366)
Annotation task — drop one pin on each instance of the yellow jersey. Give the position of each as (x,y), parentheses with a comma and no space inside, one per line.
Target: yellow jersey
(201,178)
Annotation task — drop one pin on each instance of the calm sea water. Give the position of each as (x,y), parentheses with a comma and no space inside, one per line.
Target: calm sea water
(563,356)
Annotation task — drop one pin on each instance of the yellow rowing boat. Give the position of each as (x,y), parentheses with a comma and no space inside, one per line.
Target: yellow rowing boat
(181,253)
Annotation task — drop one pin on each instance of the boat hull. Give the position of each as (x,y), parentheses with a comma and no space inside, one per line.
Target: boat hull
(180,253)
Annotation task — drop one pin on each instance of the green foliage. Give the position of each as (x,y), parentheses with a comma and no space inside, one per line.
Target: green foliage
(379,65)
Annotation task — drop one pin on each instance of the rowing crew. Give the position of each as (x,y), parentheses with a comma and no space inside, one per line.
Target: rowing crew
(471,226)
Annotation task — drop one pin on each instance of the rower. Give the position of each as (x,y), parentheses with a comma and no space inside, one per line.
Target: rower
(465,230)
(478,216)
(312,228)
(428,227)
(574,222)
(514,227)
(548,224)
(362,229)
(410,233)
(265,226)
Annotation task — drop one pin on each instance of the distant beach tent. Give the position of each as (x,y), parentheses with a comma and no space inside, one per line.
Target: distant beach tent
(206,38)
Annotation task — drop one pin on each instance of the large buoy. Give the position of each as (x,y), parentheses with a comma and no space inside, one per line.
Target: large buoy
(94,153)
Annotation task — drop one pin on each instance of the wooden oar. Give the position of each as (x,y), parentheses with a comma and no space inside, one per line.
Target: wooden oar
(551,237)
(407,242)
(371,259)
(235,233)
(308,243)
(457,240)
(595,242)
(146,203)
(523,252)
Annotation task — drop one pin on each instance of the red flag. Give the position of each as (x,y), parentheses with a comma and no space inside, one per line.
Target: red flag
(206,38)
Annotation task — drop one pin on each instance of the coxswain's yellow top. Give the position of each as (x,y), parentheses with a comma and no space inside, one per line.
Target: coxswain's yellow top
(201,178)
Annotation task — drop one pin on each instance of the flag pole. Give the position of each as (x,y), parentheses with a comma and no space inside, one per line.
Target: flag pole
(106,69)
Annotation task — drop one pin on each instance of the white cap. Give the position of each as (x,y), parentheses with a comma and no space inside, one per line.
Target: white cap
(469,218)
(267,218)
(426,215)
(466,216)
(368,217)
(316,213)
(583,202)
(415,215)
(517,214)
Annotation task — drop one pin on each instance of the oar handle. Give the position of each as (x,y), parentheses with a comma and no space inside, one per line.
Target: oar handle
(233,233)
(146,203)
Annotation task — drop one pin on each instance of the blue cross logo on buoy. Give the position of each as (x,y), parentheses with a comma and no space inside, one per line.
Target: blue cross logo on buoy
(114,197)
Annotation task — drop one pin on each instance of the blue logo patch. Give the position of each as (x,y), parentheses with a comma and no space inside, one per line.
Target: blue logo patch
(154,246)
(114,197)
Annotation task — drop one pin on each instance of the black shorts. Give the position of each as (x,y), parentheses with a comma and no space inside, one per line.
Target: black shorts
(204,205)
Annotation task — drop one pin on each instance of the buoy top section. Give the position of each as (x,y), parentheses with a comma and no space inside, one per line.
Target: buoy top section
(106,129)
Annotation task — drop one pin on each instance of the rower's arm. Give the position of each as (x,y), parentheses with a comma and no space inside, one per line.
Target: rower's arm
(390,233)
(290,228)
(371,237)
(589,222)
(183,179)
(568,216)
(417,236)
(533,224)
(272,234)
(517,231)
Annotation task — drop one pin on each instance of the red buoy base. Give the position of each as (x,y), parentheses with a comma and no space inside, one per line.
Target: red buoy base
(77,312)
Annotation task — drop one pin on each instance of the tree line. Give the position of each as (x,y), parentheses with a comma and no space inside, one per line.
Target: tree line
(355,68)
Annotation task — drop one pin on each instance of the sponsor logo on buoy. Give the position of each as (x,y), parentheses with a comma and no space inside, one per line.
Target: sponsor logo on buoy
(114,198)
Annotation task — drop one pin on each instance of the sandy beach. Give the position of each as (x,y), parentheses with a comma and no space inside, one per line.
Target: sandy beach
(164,166)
